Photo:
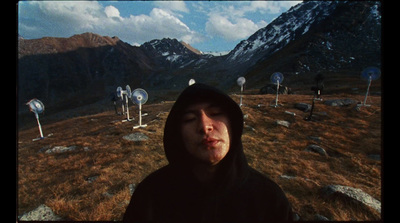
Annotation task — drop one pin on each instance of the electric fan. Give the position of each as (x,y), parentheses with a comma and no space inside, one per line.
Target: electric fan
(139,97)
(240,81)
(276,78)
(37,107)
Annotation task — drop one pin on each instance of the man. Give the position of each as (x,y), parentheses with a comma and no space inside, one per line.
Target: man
(207,178)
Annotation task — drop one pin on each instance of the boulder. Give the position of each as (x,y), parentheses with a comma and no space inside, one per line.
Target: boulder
(60,149)
(319,217)
(283,176)
(303,107)
(41,213)
(316,149)
(290,113)
(136,137)
(283,123)
(340,102)
(132,188)
(91,179)
(353,194)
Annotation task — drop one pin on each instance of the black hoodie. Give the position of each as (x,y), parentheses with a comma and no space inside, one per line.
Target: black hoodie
(238,194)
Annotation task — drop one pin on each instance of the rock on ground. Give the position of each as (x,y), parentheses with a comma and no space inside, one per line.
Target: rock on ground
(319,217)
(351,193)
(41,213)
(283,123)
(60,149)
(303,107)
(316,149)
(340,102)
(136,137)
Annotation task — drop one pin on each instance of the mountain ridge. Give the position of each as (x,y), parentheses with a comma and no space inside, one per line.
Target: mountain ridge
(49,45)
(311,37)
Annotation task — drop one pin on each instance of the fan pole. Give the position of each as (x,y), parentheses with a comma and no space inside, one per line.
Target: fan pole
(366,95)
(140,114)
(127,108)
(277,92)
(40,127)
(241,95)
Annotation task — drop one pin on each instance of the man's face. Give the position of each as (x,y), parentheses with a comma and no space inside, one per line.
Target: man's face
(205,130)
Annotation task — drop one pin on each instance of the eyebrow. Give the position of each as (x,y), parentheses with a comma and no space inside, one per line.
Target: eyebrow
(187,111)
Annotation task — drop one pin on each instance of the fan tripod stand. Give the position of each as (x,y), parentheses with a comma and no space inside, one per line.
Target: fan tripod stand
(140,119)
(315,98)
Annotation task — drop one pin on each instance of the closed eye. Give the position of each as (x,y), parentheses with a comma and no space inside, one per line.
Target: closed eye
(188,117)
(215,111)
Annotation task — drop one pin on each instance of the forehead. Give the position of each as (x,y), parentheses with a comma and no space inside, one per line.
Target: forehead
(201,106)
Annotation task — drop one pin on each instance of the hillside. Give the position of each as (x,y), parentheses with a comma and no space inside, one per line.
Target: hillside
(66,73)
(93,177)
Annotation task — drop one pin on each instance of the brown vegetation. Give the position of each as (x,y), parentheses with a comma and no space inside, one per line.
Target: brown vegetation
(60,180)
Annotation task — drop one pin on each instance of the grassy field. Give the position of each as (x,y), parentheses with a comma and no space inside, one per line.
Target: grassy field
(61,180)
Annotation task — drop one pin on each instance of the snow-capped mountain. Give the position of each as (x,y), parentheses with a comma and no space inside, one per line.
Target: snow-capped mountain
(344,37)
(286,28)
(170,53)
(311,37)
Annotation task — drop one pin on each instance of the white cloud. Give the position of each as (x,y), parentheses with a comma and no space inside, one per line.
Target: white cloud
(229,21)
(111,11)
(273,7)
(172,5)
(80,14)
(64,19)
(159,24)
(240,28)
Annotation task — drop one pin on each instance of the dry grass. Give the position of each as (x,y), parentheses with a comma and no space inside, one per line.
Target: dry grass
(60,180)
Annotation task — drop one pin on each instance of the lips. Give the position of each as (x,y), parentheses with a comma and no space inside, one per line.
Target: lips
(209,142)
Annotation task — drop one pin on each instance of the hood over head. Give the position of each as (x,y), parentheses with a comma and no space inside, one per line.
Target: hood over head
(234,165)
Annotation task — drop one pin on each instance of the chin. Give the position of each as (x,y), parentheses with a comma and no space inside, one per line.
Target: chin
(214,160)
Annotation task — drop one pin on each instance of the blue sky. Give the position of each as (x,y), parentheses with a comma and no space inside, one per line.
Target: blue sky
(206,25)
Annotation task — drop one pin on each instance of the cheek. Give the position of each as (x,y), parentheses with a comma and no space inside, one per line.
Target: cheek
(187,133)
(226,129)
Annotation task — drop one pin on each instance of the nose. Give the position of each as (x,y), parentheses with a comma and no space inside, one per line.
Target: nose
(205,124)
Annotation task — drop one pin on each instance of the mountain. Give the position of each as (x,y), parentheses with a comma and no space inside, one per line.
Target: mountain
(286,28)
(170,53)
(172,59)
(330,37)
(194,50)
(71,72)
(67,73)
(311,37)
(346,41)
